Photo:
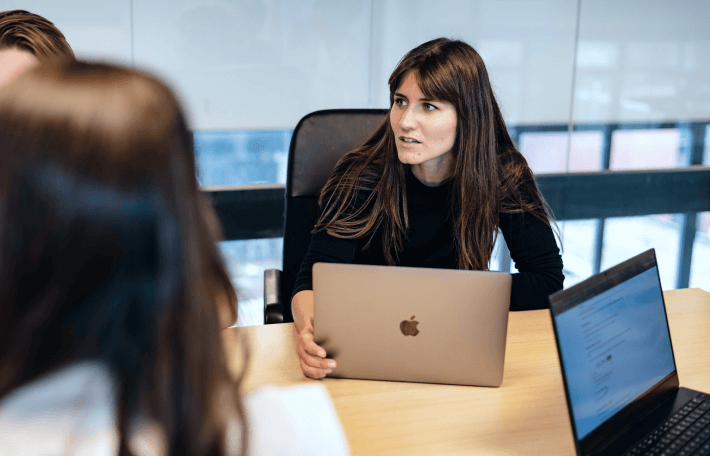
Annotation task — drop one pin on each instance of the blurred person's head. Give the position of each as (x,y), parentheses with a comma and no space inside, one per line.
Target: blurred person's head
(65,265)
(118,125)
(26,39)
(33,34)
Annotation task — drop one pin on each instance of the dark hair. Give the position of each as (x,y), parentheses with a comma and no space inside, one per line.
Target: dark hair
(125,130)
(88,272)
(32,33)
(117,124)
(367,189)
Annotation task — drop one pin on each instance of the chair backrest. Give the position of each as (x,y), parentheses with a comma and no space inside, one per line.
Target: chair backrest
(319,140)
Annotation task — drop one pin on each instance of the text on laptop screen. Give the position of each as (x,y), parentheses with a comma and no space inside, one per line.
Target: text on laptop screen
(614,347)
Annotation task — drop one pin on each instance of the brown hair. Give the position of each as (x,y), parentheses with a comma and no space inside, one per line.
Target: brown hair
(32,33)
(367,189)
(125,128)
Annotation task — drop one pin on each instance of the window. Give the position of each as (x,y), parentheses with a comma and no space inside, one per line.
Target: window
(243,158)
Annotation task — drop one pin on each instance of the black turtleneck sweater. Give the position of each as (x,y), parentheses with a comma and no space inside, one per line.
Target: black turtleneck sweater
(430,243)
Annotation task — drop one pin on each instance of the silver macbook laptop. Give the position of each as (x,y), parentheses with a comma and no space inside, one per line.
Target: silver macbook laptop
(618,367)
(412,324)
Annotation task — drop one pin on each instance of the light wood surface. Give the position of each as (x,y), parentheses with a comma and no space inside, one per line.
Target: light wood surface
(527,415)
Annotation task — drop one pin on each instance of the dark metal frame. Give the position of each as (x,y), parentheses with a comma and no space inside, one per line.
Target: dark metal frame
(256,212)
(693,148)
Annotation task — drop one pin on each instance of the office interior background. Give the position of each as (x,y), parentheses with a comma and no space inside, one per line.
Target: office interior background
(584,85)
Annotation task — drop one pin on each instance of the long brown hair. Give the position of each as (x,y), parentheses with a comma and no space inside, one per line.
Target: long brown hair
(124,128)
(367,189)
(32,33)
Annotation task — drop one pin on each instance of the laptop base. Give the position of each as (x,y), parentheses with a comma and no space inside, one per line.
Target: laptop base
(628,438)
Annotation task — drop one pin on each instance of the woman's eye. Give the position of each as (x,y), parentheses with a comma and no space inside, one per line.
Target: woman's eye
(429,107)
(400,101)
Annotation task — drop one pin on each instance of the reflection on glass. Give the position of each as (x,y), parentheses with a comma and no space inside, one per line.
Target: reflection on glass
(499,252)
(242,157)
(546,152)
(625,237)
(247,261)
(700,263)
(578,238)
(645,149)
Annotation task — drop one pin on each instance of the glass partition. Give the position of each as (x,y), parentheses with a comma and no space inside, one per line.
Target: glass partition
(700,266)
(584,85)
(642,73)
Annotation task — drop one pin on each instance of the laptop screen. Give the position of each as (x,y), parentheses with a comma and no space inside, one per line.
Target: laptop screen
(614,344)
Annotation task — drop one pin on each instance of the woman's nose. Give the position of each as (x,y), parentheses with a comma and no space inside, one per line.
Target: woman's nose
(408,119)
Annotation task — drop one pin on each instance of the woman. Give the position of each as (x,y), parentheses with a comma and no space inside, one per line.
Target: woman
(113,291)
(91,119)
(430,188)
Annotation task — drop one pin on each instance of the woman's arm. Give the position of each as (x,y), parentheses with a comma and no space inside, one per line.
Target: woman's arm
(324,249)
(534,250)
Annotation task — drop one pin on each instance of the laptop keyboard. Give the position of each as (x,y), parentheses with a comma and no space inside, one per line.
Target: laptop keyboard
(685,433)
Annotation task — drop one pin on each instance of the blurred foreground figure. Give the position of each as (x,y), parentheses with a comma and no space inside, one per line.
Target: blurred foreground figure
(25,39)
(121,126)
(112,290)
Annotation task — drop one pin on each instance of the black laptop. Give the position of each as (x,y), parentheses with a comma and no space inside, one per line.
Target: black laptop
(618,367)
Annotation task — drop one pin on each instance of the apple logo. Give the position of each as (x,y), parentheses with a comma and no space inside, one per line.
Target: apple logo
(409,327)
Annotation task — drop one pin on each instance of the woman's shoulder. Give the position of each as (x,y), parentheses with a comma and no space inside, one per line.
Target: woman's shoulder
(299,420)
(71,410)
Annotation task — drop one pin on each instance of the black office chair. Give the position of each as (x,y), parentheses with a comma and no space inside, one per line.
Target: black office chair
(318,142)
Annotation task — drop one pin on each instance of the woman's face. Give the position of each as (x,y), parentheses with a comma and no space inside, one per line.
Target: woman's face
(13,62)
(424,130)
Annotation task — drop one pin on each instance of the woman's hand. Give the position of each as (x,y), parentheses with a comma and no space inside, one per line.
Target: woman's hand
(311,356)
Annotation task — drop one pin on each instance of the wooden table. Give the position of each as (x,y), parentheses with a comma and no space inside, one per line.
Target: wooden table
(527,415)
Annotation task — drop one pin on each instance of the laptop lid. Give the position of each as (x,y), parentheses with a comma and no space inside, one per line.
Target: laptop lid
(615,349)
(412,324)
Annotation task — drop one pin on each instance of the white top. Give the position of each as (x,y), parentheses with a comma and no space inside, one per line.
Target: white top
(73,412)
